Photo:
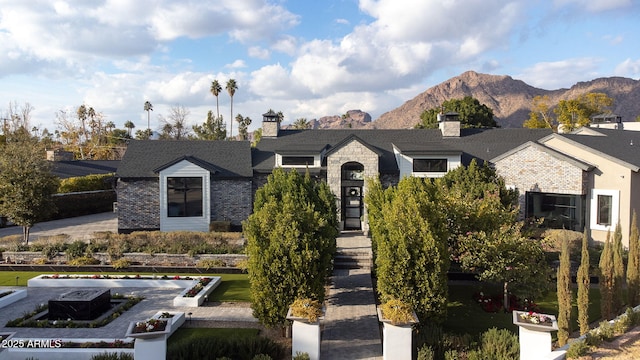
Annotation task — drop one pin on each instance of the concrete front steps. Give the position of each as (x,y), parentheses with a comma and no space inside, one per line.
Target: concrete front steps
(353,259)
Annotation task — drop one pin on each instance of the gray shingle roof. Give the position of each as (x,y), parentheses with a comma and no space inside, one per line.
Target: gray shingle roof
(143,157)
(484,144)
(619,145)
(75,168)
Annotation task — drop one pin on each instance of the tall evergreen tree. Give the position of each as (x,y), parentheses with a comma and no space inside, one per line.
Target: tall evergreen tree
(291,239)
(618,270)
(583,286)
(606,279)
(633,264)
(564,293)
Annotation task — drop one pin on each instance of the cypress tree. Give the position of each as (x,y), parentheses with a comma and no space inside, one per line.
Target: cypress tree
(606,280)
(564,293)
(583,286)
(633,273)
(618,270)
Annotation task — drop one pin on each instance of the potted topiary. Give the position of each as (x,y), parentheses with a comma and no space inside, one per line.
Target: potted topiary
(397,318)
(306,315)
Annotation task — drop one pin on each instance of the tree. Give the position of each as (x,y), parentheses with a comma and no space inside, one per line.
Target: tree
(213,128)
(26,183)
(301,124)
(174,127)
(472,114)
(583,281)
(291,239)
(129,125)
(215,90)
(148,107)
(540,115)
(618,269)
(231,89)
(411,251)
(243,126)
(503,255)
(633,264)
(606,279)
(257,136)
(564,293)
(574,113)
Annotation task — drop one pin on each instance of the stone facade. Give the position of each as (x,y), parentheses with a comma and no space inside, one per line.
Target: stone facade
(231,200)
(138,205)
(532,169)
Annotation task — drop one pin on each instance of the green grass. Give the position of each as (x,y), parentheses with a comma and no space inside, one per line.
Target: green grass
(234,287)
(466,316)
(191,334)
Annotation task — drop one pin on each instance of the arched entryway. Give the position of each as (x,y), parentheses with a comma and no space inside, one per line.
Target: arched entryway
(352,182)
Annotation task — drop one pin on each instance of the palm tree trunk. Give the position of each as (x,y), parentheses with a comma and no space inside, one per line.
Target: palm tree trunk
(231,120)
(217,107)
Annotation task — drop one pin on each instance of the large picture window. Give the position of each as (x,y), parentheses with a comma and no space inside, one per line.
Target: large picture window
(297,161)
(184,196)
(559,211)
(429,165)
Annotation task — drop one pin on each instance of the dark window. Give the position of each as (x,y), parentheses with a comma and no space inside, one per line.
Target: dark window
(297,160)
(429,165)
(559,211)
(604,209)
(184,196)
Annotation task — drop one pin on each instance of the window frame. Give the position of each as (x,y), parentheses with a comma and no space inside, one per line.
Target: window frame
(184,205)
(443,161)
(614,210)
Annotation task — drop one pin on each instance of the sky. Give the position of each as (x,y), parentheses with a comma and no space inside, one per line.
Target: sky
(307,59)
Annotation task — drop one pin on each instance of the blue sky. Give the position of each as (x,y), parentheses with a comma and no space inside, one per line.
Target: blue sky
(305,58)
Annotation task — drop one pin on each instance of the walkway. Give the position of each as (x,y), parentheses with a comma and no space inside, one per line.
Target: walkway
(351,328)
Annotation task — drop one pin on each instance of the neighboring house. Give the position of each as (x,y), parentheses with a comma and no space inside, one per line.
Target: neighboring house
(584,179)
(65,167)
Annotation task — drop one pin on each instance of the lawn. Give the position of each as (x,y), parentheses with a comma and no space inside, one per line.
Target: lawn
(234,287)
(466,316)
(191,334)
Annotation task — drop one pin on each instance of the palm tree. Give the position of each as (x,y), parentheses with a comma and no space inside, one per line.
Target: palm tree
(215,90)
(231,88)
(129,125)
(148,107)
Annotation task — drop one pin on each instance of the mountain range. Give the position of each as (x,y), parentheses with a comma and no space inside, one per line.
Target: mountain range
(510,100)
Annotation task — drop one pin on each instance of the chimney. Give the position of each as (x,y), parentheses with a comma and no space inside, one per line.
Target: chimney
(270,124)
(449,124)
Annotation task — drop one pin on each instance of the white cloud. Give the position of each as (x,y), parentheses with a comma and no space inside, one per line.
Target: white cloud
(258,52)
(596,5)
(560,74)
(628,68)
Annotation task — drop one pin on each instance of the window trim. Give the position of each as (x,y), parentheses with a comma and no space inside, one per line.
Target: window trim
(413,166)
(594,208)
(202,194)
(315,164)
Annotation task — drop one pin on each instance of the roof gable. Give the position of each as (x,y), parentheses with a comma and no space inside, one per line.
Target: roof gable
(192,159)
(556,154)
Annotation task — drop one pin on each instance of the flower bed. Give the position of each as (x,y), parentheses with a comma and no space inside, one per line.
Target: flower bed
(12,297)
(196,294)
(495,303)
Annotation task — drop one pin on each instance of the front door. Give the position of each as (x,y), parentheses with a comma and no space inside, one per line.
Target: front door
(352,207)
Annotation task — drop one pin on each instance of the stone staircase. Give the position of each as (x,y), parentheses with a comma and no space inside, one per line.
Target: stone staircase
(353,259)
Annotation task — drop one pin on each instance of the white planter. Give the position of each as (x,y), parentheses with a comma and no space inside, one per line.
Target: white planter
(197,300)
(396,339)
(111,282)
(153,346)
(535,339)
(13,297)
(305,336)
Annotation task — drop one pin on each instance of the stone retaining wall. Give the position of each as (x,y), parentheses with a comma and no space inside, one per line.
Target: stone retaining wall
(30,257)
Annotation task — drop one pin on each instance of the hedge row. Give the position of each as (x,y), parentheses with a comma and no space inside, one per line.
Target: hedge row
(78,204)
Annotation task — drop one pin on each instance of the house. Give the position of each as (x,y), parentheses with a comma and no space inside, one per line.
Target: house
(170,185)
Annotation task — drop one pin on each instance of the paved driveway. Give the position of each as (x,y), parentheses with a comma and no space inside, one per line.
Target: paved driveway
(78,228)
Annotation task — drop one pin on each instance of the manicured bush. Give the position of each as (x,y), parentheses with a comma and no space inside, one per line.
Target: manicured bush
(500,344)
(83,260)
(207,264)
(425,353)
(217,347)
(86,183)
(120,263)
(577,349)
(301,356)
(112,356)
(79,204)
(606,331)
(220,226)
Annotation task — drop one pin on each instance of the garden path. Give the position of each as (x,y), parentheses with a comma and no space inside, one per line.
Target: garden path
(351,328)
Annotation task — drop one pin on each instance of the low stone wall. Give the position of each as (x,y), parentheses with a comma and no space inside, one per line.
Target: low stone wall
(30,257)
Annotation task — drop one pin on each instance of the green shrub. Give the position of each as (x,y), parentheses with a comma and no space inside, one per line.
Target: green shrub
(234,348)
(606,331)
(76,249)
(500,344)
(207,264)
(112,356)
(577,349)
(86,183)
(84,260)
(301,356)
(425,353)
(121,263)
(262,357)
(452,355)
(622,324)
(52,249)
(593,339)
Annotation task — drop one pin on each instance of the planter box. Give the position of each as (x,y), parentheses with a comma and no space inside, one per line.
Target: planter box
(197,300)
(13,297)
(154,347)
(396,339)
(111,282)
(305,336)
(46,349)
(535,339)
